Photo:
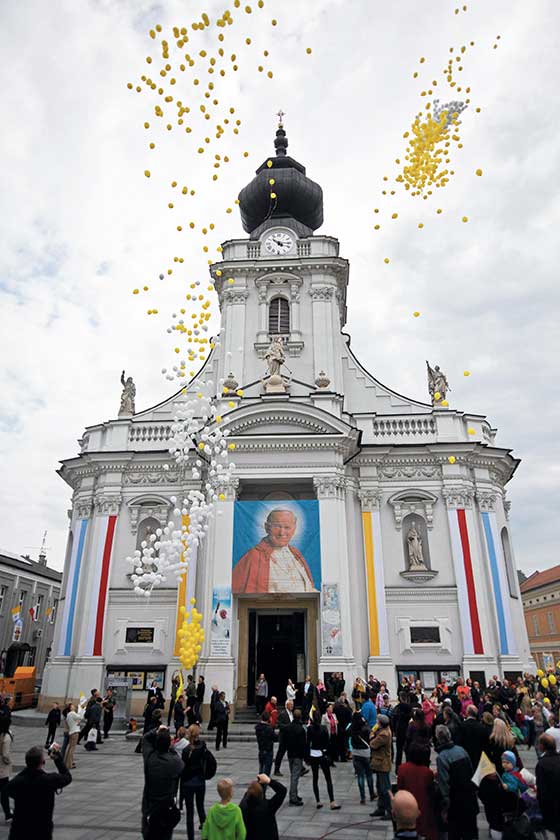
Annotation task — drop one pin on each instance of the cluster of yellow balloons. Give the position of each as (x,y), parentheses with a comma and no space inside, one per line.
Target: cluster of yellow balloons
(191,636)
(425,166)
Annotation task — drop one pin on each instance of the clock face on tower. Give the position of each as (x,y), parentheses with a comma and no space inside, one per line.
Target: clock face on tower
(278,243)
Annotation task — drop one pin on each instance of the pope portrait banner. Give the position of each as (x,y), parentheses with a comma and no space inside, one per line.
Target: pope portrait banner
(220,638)
(276,547)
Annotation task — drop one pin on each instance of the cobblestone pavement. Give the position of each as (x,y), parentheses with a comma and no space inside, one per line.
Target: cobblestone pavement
(103,800)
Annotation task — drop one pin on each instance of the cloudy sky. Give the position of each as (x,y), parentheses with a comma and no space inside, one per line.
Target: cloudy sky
(82,226)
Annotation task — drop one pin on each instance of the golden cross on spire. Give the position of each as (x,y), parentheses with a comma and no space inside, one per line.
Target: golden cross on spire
(280,114)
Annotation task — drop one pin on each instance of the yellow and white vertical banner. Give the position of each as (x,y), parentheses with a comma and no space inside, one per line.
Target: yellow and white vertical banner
(375,580)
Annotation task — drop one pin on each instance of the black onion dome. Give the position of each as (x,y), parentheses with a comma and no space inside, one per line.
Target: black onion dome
(299,200)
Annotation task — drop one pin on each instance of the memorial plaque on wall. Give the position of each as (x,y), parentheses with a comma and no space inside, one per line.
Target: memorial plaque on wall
(140,635)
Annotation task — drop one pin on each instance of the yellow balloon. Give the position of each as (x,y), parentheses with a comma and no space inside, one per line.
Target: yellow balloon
(544,682)
(540,672)
(552,679)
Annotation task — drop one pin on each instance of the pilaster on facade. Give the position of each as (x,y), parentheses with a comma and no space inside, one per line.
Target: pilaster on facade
(331,486)
(370,498)
(459,496)
(486,500)
(107,503)
(83,506)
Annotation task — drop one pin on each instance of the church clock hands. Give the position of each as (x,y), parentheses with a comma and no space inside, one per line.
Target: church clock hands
(278,243)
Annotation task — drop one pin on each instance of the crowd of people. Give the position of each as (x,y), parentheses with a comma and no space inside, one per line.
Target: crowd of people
(454,751)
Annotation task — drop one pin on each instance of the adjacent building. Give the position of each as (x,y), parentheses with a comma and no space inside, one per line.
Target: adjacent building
(29,599)
(363,532)
(541,603)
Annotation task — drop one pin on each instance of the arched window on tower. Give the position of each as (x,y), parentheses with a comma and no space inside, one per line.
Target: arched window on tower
(279,316)
(510,566)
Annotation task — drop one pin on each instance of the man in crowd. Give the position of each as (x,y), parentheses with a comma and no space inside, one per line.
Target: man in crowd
(474,736)
(296,741)
(405,814)
(308,697)
(162,769)
(285,718)
(548,784)
(272,709)
(459,805)
(33,791)
(109,704)
(343,715)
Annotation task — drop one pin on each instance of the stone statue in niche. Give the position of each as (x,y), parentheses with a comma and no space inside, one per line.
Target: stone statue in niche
(415,551)
(128,395)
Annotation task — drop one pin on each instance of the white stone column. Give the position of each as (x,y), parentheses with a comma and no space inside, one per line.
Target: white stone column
(262,291)
(326,324)
(219,668)
(335,562)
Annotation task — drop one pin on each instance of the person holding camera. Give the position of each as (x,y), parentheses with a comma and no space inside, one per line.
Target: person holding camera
(33,791)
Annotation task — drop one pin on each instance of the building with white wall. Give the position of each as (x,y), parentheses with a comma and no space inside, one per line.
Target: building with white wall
(360,469)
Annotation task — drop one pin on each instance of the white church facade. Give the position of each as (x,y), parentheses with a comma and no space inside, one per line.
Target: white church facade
(347,539)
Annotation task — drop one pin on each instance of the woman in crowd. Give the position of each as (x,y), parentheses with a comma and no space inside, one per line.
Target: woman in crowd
(221,714)
(429,707)
(419,736)
(317,747)
(73,721)
(179,713)
(6,739)
(193,785)
(361,756)
(501,740)
(180,741)
(321,696)
(259,813)
(418,779)
(359,693)
(291,691)
(329,722)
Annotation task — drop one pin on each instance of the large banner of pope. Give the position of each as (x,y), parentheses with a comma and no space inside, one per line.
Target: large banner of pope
(276,547)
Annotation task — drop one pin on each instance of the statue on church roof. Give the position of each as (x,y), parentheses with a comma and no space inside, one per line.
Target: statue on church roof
(127,396)
(438,386)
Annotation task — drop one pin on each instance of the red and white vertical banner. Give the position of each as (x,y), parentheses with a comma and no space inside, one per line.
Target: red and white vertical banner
(466,587)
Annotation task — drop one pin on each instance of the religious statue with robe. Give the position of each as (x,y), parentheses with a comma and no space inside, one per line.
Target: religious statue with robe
(415,553)
(275,356)
(127,396)
(438,386)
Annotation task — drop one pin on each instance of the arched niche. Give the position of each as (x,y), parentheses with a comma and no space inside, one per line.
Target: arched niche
(509,564)
(416,501)
(416,547)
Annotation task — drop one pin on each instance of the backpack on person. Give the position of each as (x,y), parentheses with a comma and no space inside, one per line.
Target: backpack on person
(209,765)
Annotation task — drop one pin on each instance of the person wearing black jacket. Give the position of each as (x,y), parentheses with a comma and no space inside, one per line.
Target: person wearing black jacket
(284,719)
(52,721)
(266,738)
(308,693)
(179,712)
(175,683)
(221,715)
(316,755)
(343,715)
(401,719)
(193,784)
(259,813)
(162,769)
(474,736)
(214,697)
(296,742)
(548,784)
(33,791)
(200,691)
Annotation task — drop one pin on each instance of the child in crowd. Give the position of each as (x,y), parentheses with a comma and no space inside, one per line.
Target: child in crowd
(224,820)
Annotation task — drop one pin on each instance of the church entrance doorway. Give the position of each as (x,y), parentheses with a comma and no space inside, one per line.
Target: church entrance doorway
(278,640)
(278,650)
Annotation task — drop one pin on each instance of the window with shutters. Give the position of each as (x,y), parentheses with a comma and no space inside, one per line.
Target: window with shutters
(279,316)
